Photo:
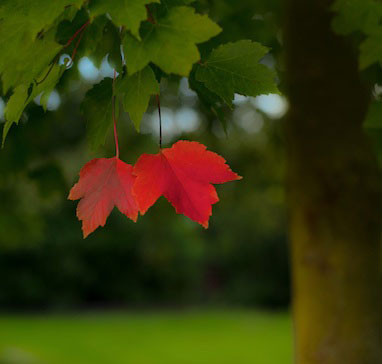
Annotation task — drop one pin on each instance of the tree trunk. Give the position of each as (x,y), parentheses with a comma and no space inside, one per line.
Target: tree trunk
(334,192)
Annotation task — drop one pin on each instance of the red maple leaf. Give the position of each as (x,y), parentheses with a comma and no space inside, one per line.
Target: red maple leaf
(183,174)
(103,184)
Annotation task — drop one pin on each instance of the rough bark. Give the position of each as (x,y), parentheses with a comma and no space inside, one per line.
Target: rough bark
(334,193)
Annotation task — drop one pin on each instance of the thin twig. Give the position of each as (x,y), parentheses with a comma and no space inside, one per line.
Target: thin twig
(47,74)
(114,119)
(150,17)
(68,43)
(76,46)
(74,36)
(160,122)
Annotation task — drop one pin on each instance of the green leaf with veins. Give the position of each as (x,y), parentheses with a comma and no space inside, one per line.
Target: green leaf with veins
(97,108)
(25,93)
(31,17)
(22,65)
(170,3)
(210,101)
(110,44)
(135,92)
(27,35)
(14,108)
(159,10)
(127,13)
(67,27)
(234,68)
(101,37)
(170,43)
(94,41)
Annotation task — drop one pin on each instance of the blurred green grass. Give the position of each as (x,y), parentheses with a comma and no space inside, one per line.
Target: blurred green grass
(170,337)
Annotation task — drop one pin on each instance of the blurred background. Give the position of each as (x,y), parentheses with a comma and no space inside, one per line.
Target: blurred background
(152,291)
(165,262)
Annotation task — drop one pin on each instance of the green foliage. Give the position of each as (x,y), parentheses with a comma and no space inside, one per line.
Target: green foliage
(169,3)
(109,44)
(51,266)
(170,43)
(364,16)
(23,95)
(135,92)
(97,109)
(124,13)
(17,66)
(37,222)
(28,46)
(234,67)
(27,37)
(139,38)
(31,17)
(211,102)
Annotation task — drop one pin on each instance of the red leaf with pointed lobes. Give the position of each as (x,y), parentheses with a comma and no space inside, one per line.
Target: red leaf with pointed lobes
(103,184)
(183,174)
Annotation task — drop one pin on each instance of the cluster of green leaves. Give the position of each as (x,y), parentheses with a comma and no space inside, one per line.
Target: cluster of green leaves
(363,17)
(144,40)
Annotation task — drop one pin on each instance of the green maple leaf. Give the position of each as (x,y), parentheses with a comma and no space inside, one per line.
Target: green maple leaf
(14,108)
(170,3)
(22,65)
(135,92)
(69,25)
(96,42)
(31,17)
(160,10)
(127,13)
(234,67)
(25,93)
(109,44)
(210,101)
(101,38)
(97,108)
(170,43)
(27,34)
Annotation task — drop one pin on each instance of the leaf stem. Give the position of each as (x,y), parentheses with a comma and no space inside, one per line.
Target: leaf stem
(150,17)
(160,121)
(74,36)
(48,72)
(114,119)
(82,30)
(68,43)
